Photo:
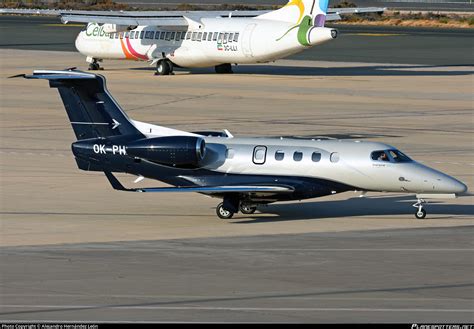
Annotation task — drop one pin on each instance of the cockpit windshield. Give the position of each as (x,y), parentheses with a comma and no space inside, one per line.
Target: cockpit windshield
(394,156)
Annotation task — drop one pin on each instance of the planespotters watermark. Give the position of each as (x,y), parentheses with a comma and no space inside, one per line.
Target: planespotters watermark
(442,326)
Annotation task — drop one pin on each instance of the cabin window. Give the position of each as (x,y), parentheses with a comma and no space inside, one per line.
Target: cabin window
(334,157)
(121,35)
(214,38)
(221,37)
(188,35)
(168,36)
(231,37)
(111,35)
(279,155)
(316,157)
(127,34)
(236,37)
(116,35)
(209,37)
(141,34)
(298,156)
(204,36)
(132,35)
(194,36)
(162,35)
(157,35)
(148,35)
(199,36)
(173,35)
(178,36)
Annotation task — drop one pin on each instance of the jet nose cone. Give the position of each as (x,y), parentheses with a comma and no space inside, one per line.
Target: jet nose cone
(455,186)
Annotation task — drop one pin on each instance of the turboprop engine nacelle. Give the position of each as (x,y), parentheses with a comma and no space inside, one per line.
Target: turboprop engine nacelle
(112,28)
(179,151)
(318,35)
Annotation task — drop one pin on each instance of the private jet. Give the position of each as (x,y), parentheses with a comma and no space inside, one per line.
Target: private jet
(244,172)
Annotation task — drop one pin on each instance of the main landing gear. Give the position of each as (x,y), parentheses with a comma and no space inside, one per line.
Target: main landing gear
(224,68)
(164,67)
(420,212)
(224,212)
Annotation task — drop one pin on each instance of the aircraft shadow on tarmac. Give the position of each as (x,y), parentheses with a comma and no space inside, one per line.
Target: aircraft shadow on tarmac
(366,206)
(369,70)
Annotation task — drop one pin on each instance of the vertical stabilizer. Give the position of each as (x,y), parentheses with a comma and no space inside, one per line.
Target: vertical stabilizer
(300,12)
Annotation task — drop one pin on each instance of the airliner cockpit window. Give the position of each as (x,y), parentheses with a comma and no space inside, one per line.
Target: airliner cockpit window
(380,156)
(398,156)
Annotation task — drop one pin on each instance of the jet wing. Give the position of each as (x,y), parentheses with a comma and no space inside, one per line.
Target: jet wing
(164,18)
(267,189)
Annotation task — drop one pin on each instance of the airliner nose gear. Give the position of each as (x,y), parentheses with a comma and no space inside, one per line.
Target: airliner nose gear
(94,65)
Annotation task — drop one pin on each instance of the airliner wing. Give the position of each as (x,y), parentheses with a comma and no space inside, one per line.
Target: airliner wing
(164,18)
(267,189)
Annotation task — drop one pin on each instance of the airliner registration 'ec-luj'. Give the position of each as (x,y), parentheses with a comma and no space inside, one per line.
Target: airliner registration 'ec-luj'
(244,172)
(204,38)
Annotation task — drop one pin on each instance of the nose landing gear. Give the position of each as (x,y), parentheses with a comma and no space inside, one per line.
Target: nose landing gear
(94,64)
(420,213)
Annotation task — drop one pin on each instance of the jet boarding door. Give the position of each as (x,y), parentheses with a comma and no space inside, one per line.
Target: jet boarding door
(247,40)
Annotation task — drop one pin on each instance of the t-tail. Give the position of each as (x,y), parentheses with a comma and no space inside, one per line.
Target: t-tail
(308,17)
(90,107)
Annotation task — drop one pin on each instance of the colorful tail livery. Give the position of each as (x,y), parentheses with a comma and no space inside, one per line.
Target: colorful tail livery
(204,38)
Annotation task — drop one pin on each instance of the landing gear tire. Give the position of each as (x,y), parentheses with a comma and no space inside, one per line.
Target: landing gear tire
(420,214)
(247,209)
(224,68)
(94,66)
(223,213)
(164,67)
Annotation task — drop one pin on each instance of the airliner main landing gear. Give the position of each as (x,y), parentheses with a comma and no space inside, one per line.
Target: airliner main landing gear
(164,67)
(223,213)
(224,68)
(420,213)
(247,209)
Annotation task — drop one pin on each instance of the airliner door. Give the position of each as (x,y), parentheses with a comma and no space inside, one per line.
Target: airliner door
(259,154)
(247,40)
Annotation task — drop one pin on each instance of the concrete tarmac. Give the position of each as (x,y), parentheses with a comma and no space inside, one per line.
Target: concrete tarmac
(74,249)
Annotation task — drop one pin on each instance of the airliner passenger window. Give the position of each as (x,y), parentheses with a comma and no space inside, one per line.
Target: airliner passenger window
(204,36)
(111,35)
(226,37)
(141,34)
(121,35)
(162,35)
(334,157)
(148,35)
(221,37)
(168,35)
(316,157)
(188,35)
(199,36)
(157,35)
(236,37)
(297,156)
(214,38)
(209,37)
(231,37)
(279,155)
(173,34)
(127,34)
(194,36)
(116,35)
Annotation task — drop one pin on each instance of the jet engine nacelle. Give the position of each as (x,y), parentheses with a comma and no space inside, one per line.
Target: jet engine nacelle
(112,28)
(318,35)
(178,151)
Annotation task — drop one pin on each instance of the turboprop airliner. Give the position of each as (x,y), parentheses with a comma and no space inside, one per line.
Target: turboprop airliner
(244,172)
(205,38)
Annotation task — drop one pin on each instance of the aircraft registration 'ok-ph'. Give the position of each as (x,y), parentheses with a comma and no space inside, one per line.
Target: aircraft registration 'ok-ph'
(244,172)
(205,38)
